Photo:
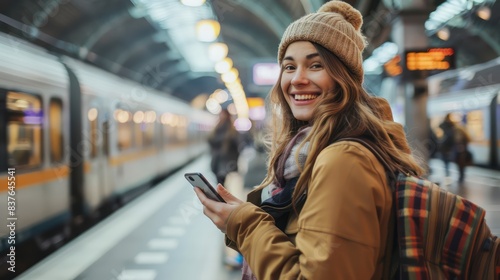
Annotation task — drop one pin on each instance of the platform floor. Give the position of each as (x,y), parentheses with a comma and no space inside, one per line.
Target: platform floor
(164,235)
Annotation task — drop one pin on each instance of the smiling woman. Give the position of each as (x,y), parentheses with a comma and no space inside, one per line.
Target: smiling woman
(304,80)
(323,211)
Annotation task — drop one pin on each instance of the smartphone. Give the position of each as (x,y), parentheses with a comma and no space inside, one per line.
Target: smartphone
(198,180)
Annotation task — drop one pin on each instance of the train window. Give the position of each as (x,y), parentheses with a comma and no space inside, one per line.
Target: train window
(92,115)
(138,123)
(125,132)
(166,134)
(182,133)
(24,130)
(138,135)
(475,126)
(166,121)
(55,130)
(149,128)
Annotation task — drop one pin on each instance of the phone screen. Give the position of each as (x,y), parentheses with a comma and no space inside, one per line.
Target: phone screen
(198,180)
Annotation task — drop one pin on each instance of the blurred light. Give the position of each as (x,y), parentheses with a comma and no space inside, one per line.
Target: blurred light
(32,120)
(138,117)
(381,55)
(231,108)
(92,114)
(221,96)
(448,10)
(150,117)
(213,106)
(122,116)
(230,76)
(22,104)
(174,121)
(443,34)
(484,12)
(257,113)
(264,74)
(207,30)
(372,66)
(242,124)
(393,66)
(224,66)
(176,24)
(445,12)
(255,102)
(385,52)
(193,3)
(166,118)
(217,51)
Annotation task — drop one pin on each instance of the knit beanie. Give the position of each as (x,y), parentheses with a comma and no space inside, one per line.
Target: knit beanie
(337,27)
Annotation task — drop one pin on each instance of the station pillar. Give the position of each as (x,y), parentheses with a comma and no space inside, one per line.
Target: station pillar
(408,32)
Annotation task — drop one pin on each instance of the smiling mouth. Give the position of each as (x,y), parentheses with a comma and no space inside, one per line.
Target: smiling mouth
(305,96)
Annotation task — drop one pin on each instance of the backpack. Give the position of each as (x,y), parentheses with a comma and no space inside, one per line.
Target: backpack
(439,235)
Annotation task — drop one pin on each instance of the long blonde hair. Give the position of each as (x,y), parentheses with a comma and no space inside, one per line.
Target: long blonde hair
(344,112)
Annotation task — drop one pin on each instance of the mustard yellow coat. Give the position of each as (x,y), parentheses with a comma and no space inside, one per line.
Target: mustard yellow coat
(341,231)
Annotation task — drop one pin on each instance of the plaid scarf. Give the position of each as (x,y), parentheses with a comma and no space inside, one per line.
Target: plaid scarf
(286,166)
(281,190)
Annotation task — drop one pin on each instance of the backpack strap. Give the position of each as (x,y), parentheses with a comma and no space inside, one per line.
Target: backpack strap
(391,256)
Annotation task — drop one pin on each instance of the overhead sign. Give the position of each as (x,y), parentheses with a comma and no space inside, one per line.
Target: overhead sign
(431,59)
(265,74)
(393,66)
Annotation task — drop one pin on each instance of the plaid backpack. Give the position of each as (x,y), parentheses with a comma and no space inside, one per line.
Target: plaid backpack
(440,235)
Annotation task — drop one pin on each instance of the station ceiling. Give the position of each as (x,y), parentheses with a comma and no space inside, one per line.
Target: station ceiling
(109,34)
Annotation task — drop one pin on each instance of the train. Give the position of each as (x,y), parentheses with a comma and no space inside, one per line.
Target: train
(471,95)
(77,142)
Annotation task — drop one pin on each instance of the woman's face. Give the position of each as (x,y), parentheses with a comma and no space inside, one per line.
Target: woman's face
(304,79)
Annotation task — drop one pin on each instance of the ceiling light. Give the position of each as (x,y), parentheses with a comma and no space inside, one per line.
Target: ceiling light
(217,51)
(221,96)
(193,3)
(484,12)
(213,106)
(230,76)
(177,24)
(224,65)
(443,34)
(207,30)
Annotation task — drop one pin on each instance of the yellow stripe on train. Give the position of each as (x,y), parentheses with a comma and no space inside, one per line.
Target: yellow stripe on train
(114,161)
(61,172)
(24,180)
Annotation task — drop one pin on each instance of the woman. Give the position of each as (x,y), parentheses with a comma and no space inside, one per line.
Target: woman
(224,144)
(336,191)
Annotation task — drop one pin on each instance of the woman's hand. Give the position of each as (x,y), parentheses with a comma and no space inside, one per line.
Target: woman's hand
(218,212)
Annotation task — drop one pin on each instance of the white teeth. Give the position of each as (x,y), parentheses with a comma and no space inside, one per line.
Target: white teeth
(305,96)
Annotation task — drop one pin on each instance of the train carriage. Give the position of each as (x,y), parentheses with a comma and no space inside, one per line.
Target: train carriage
(82,141)
(35,125)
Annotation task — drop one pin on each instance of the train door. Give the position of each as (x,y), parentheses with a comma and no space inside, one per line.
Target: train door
(98,185)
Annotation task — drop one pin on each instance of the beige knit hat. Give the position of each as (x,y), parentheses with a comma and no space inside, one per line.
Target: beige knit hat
(337,27)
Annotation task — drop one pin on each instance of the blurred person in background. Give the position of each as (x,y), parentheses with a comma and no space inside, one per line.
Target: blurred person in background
(446,142)
(323,211)
(224,143)
(453,146)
